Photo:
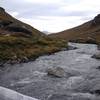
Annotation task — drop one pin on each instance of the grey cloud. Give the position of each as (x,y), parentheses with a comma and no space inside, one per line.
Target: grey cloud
(30,10)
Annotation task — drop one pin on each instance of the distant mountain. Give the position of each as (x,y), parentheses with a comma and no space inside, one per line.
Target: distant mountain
(88,32)
(20,42)
(46,32)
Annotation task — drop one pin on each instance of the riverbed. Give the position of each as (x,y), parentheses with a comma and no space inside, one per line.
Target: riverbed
(81,82)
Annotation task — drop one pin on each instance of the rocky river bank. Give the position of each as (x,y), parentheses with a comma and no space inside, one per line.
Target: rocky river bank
(80,81)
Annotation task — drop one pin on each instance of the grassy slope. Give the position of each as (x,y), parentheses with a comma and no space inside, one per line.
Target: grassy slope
(82,32)
(19,46)
(12,47)
(4,16)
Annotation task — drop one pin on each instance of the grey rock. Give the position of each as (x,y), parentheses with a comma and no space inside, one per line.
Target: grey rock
(96,55)
(56,71)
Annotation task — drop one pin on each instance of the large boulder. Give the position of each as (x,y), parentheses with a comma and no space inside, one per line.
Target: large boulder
(56,72)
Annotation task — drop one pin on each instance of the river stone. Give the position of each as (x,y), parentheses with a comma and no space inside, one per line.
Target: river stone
(96,55)
(56,71)
(7,94)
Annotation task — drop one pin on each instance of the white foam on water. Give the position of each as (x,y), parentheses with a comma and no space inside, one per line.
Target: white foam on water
(7,94)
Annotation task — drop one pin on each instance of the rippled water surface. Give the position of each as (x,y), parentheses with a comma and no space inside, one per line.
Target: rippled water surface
(82,75)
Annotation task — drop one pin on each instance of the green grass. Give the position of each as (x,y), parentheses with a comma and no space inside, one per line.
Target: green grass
(12,47)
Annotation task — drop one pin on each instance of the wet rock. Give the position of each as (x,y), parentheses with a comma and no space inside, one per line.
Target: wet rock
(98,68)
(96,88)
(91,40)
(98,46)
(24,59)
(56,71)
(97,92)
(96,55)
(71,48)
(7,94)
(2,64)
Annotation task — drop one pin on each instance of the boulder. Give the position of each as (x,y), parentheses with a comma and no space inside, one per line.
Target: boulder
(96,55)
(98,47)
(97,92)
(56,72)
(91,40)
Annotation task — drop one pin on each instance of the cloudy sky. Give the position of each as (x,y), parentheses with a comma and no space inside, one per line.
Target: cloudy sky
(52,15)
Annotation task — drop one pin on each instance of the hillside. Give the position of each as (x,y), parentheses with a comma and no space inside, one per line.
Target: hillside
(88,32)
(20,42)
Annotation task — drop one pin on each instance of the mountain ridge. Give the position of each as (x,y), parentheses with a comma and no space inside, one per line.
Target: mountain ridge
(89,31)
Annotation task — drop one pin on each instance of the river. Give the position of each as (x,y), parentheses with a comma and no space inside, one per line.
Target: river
(81,81)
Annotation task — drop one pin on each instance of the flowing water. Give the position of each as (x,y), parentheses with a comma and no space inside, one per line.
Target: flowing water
(81,81)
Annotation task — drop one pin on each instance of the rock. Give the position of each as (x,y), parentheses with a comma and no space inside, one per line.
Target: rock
(91,40)
(96,55)
(98,68)
(97,92)
(24,59)
(7,94)
(56,71)
(71,48)
(98,47)
(95,87)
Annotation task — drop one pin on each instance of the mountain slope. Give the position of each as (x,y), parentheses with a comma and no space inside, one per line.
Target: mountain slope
(87,32)
(20,42)
(8,23)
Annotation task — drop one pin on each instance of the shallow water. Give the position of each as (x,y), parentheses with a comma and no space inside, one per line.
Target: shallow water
(82,75)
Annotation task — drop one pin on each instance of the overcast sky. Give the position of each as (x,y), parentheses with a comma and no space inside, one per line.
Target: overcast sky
(52,15)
